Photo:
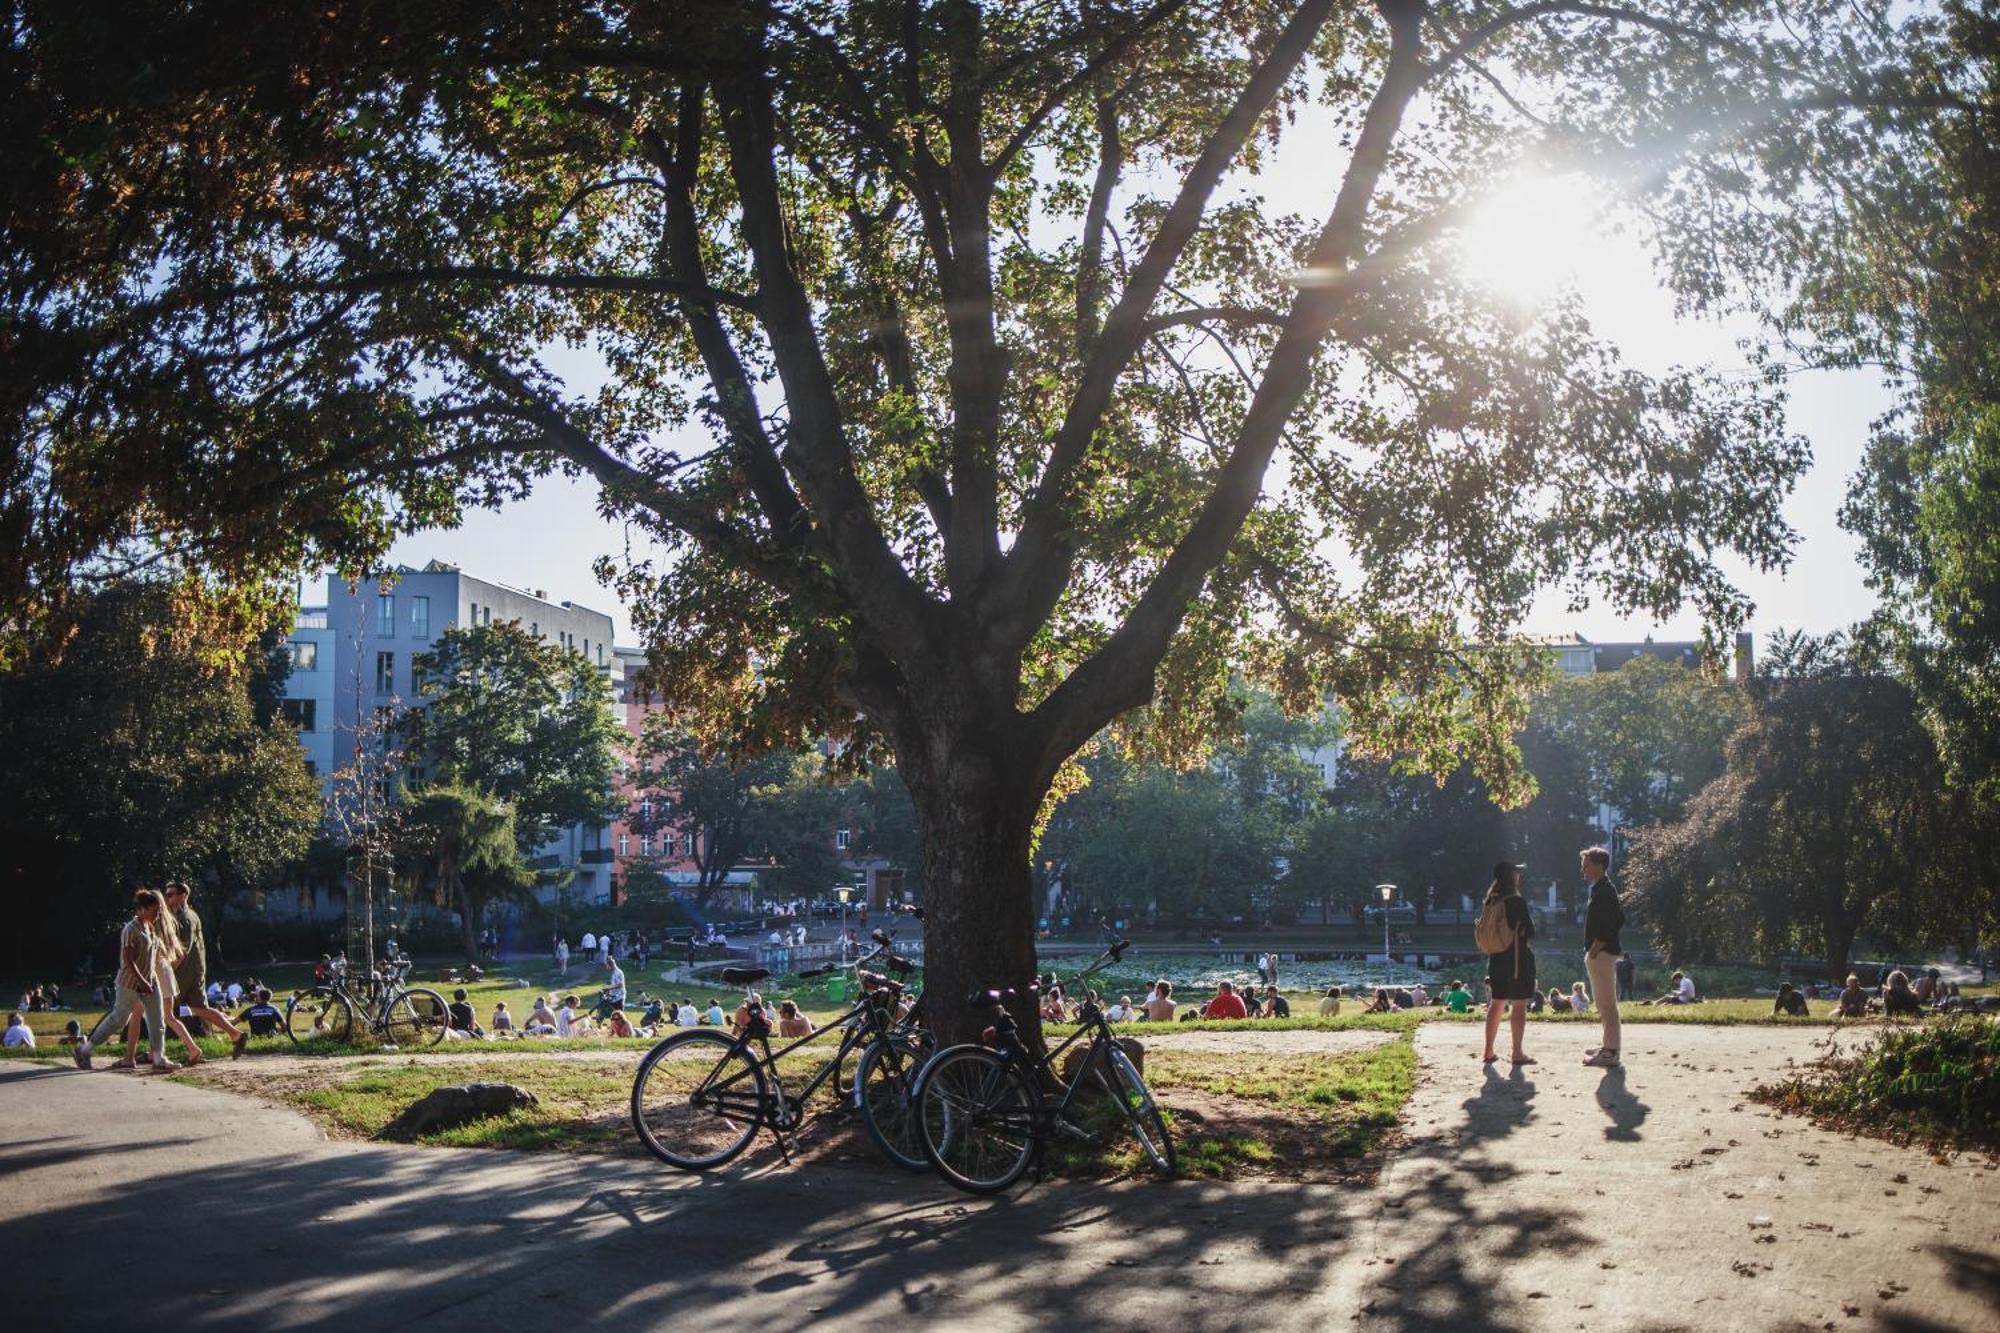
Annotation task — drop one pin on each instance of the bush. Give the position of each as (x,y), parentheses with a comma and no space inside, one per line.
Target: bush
(1938,1082)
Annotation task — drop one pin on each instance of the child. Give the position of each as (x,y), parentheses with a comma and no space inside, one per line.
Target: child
(503,1022)
(1458,999)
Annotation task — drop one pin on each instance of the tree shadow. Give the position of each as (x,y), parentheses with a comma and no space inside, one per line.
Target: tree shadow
(1622,1105)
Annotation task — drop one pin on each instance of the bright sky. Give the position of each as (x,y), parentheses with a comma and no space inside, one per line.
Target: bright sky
(1535,236)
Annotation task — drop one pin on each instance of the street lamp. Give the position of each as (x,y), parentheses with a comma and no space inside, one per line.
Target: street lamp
(842,892)
(1388,892)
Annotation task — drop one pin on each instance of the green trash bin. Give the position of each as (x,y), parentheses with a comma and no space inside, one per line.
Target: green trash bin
(836,990)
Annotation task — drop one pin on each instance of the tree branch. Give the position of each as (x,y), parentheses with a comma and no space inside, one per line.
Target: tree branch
(1040,564)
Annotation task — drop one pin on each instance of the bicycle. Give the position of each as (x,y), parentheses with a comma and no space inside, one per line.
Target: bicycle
(400,1015)
(701,1095)
(982,1112)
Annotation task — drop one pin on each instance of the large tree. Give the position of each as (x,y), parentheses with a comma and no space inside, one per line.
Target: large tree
(1017,410)
(136,759)
(459,843)
(521,719)
(1831,820)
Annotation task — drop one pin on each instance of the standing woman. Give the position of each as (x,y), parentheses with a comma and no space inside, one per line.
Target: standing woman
(1510,971)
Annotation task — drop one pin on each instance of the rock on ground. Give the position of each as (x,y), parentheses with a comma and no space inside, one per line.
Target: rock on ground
(448,1108)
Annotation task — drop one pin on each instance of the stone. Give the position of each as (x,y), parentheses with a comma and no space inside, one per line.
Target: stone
(1134,1049)
(446,1108)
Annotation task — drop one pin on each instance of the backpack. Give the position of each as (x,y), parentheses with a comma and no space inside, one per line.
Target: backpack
(1494,933)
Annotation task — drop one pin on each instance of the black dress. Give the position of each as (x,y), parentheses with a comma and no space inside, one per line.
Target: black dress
(1511,975)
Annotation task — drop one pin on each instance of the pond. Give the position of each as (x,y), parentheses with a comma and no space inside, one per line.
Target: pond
(1196,974)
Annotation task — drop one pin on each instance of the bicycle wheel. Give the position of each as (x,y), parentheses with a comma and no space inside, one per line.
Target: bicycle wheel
(697,1100)
(884,1081)
(1135,1099)
(416,1018)
(319,1012)
(976,1118)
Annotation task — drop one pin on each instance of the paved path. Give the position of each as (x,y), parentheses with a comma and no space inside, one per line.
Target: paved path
(1563,1198)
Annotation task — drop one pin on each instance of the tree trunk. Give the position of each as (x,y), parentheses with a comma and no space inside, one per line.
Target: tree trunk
(1839,949)
(471,908)
(979,928)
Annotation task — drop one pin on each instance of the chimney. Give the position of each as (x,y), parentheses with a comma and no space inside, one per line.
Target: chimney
(541,595)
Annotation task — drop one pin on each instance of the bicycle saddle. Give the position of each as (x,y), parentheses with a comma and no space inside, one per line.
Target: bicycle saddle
(744,976)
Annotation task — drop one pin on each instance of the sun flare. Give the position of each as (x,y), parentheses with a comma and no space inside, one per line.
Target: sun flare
(1535,238)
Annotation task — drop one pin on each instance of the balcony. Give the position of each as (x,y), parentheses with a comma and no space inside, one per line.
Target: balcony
(595,856)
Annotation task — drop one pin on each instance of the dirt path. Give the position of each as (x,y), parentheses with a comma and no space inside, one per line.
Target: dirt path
(1560,1198)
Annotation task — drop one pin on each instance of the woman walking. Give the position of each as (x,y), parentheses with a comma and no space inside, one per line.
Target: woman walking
(1504,931)
(168,947)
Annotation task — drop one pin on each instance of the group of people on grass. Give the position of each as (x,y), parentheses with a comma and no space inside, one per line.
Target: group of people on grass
(162,981)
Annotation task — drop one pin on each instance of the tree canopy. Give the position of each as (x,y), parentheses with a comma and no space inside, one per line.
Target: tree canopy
(522,720)
(133,761)
(1011,407)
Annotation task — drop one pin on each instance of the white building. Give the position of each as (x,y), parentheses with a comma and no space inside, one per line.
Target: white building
(364,642)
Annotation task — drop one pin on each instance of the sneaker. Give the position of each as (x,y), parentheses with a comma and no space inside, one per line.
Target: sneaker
(1602,1059)
(165,1066)
(82,1054)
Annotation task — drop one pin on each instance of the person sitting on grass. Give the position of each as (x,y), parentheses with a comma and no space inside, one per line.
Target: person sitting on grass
(1226,1004)
(1329,1003)
(1579,998)
(618,1025)
(1052,1006)
(72,1033)
(1159,1006)
(1558,1000)
(503,1022)
(1458,999)
(791,1023)
(1275,1005)
(262,1019)
(1680,990)
(542,1020)
(570,1023)
(1383,1004)
(1120,1012)
(1402,999)
(1898,1000)
(1789,1002)
(686,1015)
(713,1015)
(1853,1000)
(463,1021)
(18,1033)
(1419,997)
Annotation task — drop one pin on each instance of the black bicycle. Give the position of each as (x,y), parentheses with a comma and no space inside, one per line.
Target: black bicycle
(399,1015)
(983,1117)
(701,1095)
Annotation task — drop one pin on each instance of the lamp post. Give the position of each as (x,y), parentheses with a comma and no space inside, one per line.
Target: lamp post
(1388,892)
(842,892)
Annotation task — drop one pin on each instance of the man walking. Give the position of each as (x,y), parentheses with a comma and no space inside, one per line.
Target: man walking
(191,973)
(1601,923)
(135,987)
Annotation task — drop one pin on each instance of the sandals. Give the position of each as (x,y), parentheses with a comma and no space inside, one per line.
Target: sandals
(1524,1060)
(236,1046)
(1488,1059)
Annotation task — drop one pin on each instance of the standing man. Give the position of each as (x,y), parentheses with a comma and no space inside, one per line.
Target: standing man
(1601,923)
(191,973)
(135,987)
(614,990)
(1628,973)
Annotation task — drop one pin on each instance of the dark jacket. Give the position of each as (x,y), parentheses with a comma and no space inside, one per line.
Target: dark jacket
(1605,917)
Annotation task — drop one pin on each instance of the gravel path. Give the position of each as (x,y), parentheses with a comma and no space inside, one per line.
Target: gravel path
(1555,1197)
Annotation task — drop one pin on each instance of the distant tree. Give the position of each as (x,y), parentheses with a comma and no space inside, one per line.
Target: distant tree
(1650,734)
(1828,821)
(524,721)
(133,759)
(459,844)
(718,803)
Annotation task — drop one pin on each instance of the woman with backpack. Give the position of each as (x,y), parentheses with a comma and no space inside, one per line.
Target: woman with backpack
(1503,933)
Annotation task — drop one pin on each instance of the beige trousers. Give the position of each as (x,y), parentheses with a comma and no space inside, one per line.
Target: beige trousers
(1603,969)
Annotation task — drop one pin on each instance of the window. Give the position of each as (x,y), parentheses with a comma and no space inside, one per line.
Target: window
(312,769)
(646,844)
(624,844)
(646,814)
(687,844)
(535,628)
(486,615)
(416,673)
(305,656)
(302,713)
(385,673)
(420,617)
(385,615)
(840,839)
(471,613)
